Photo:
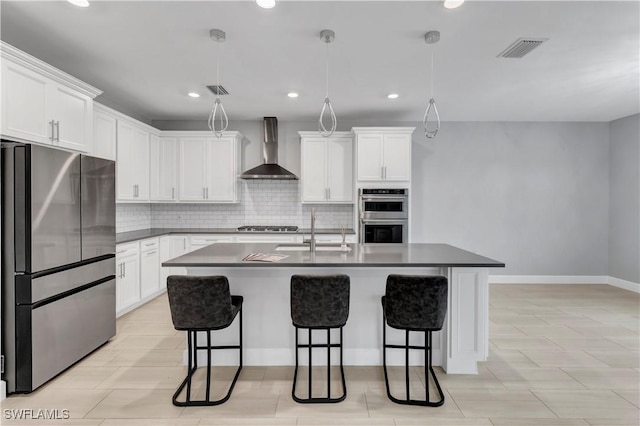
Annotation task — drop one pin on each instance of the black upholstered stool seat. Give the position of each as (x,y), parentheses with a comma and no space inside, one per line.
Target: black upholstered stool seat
(319,302)
(414,303)
(203,304)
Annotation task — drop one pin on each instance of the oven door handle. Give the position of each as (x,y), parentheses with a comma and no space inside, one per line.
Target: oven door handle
(383,221)
(382,198)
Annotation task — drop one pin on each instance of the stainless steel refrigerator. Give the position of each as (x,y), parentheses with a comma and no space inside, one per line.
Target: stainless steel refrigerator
(58,260)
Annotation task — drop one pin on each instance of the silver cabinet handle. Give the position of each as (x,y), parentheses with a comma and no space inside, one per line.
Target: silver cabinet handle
(207,192)
(329,191)
(204,193)
(173,193)
(124,269)
(382,172)
(385,172)
(53,133)
(58,131)
(149,253)
(184,244)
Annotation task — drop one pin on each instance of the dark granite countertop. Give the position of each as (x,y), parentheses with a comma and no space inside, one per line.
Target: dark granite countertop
(361,255)
(126,237)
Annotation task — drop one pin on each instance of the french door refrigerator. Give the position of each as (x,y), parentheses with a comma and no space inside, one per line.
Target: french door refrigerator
(58,260)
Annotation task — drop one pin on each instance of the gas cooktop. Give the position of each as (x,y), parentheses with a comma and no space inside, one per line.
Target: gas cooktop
(267,228)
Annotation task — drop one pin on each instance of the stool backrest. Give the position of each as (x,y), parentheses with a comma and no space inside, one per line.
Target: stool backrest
(416,302)
(319,300)
(199,302)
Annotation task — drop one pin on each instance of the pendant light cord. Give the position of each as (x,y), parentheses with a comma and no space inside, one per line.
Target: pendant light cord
(327,57)
(432,72)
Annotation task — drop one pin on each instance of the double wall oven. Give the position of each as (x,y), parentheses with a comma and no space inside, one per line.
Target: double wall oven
(384,215)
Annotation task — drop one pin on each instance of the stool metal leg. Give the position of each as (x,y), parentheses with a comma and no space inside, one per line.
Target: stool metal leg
(427,366)
(192,349)
(310,346)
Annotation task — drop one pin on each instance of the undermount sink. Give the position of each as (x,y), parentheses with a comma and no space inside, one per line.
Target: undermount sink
(319,247)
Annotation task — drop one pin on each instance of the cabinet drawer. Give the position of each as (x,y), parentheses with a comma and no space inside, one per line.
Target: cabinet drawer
(150,244)
(205,240)
(123,250)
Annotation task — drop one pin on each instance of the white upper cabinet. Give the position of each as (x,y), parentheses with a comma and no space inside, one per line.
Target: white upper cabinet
(104,134)
(132,164)
(383,153)
(42,104)
(326,168)
(208,167)
(163,153)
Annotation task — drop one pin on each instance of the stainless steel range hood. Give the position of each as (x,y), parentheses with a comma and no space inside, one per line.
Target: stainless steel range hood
(270,169)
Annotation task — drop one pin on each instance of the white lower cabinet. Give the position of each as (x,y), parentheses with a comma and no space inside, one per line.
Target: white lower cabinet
(202,240)
(172,246)
(149,267)
(127,276)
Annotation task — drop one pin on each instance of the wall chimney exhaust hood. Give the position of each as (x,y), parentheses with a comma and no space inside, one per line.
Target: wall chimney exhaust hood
(270,169)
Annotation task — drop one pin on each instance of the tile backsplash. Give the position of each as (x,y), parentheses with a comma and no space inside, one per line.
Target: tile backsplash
(263,202)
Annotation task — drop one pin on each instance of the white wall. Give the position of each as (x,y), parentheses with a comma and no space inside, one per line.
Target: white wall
(533,195)
(624,199)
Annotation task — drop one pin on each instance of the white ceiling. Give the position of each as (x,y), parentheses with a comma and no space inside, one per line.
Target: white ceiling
(147,55)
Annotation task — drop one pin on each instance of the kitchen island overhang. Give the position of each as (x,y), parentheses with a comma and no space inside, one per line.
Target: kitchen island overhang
(269,335)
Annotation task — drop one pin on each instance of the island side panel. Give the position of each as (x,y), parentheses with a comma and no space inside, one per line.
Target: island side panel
(269,334)
(466,333)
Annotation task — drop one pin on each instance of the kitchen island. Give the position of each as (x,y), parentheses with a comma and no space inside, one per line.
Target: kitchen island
(269,335)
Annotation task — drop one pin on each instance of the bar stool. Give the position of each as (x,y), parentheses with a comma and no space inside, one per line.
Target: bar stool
(319,302)
(203,304)
(414,303)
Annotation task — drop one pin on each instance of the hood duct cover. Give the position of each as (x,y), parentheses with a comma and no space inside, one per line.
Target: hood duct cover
(270,169)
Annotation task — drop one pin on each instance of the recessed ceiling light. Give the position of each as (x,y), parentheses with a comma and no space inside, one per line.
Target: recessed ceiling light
(194,94)
(452,4)
(392,96)
(266,4)
(292,94)
(79,3)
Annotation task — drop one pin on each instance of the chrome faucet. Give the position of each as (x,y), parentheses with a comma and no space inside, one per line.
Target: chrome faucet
(312,241)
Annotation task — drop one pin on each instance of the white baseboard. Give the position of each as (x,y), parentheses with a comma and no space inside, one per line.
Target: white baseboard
(627,285)
(565,279)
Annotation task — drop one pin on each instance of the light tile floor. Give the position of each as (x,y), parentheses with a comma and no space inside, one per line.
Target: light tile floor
(559,355)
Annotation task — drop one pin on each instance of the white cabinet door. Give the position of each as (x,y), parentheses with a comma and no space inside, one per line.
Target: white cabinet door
(220,166)
(24,104)
(339,169)
(72,112)
(314,170)
(193,154)
(127,281)
(126,162)
(397,157)
(141,167)
(149,272)
(370,157)
(104,135)
(163,164)
(132,165)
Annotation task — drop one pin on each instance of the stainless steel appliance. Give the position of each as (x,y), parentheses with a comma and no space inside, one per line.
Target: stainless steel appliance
(384,215)
(58,260)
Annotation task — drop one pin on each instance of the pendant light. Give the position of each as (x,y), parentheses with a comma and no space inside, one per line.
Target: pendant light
(327,36)
(218,114)
(431,112)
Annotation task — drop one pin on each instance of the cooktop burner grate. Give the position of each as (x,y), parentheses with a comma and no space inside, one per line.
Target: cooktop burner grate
(267,228)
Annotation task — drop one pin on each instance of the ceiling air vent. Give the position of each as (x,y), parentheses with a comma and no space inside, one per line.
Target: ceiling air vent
(521,47)
(218,90)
